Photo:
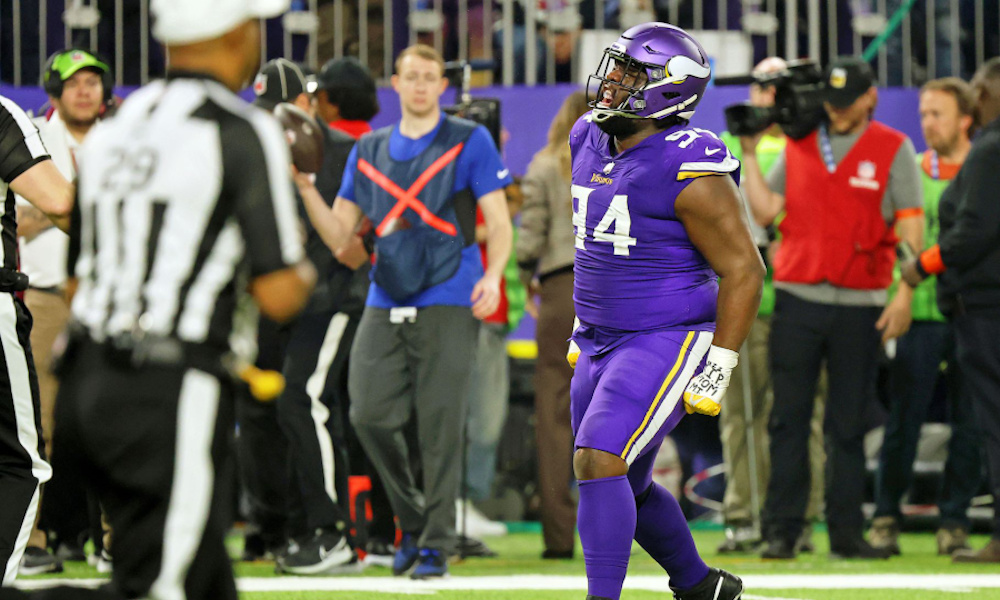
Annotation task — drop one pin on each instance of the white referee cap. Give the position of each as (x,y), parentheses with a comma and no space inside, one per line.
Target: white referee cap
(180,22)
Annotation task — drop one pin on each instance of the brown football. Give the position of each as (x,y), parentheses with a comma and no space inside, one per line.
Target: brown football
(304,137)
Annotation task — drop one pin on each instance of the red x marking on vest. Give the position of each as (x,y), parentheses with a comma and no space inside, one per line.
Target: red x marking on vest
(408,198)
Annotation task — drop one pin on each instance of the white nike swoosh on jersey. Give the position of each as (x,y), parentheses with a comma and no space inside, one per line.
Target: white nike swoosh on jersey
(710,151)
(503,173)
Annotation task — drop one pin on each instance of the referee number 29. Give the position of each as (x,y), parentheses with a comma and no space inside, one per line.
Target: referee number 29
(616,217)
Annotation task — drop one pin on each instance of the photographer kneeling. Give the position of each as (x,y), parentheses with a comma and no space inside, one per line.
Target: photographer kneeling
(844,187)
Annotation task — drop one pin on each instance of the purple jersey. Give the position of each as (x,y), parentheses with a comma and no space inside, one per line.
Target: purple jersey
(636,269)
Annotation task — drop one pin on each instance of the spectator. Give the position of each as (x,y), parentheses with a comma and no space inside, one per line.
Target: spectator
(348,83)
(420,180)
(946,116)
(746,408)
(843,188)
(545,246)
(346,97)
(967,262)
(319,341)
(489,385)
(75,82)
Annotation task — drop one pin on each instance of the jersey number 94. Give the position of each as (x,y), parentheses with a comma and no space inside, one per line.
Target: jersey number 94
(614,227)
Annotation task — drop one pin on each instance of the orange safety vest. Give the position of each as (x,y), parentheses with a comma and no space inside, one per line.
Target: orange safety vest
(833,230)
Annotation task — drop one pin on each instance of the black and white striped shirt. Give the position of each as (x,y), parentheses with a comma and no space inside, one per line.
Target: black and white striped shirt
(183,197)
(20,149)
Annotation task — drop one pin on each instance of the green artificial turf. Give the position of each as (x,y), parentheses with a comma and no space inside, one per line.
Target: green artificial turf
(519,554)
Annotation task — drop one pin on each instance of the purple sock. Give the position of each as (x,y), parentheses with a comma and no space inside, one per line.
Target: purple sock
(606,519)
(662,531)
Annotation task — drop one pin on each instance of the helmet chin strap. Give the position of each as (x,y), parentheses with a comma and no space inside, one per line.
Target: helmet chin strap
(600,115)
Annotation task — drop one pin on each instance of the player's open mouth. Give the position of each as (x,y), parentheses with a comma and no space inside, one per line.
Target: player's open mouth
(606,99)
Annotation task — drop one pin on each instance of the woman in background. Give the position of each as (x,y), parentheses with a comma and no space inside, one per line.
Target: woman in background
(545,251)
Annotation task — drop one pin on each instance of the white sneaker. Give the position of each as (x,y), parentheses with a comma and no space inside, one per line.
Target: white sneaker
(476,523)
(104,563)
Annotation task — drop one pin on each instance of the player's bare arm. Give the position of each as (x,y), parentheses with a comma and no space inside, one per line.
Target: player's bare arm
(765,204)
(713,217)
(499,239)
(45,187)
(896,318)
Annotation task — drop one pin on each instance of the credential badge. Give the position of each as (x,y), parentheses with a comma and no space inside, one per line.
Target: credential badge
(866,169)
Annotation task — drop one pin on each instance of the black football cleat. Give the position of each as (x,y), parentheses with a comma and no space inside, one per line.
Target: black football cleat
(718,585)
(589,597)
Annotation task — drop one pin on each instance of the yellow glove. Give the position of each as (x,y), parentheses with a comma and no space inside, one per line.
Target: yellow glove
(574,350)
(265,386)
(705,392)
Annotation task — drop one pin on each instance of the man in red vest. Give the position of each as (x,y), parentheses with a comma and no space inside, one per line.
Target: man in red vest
(846,189)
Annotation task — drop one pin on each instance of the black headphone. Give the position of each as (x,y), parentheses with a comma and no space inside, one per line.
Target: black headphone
(52,80)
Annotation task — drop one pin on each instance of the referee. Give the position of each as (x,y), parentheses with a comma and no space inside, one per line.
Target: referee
(25,169)
(186,201)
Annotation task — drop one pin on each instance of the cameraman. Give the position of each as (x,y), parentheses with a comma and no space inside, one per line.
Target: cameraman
(745,410)
(842,187)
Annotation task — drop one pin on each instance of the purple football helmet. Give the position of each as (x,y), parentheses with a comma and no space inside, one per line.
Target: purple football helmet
(676,72)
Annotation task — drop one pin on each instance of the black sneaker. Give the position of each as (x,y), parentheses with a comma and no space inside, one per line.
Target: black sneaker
(859,549)
(779,549)
(324,552)
(717,585)
(469,546)
(257,546)
(71,552)
(36,561)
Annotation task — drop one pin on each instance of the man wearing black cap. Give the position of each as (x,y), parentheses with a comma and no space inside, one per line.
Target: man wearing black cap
(310,410)
(846,189)
(346,96)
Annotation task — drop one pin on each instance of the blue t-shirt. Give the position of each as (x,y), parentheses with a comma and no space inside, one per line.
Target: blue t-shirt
(478,168)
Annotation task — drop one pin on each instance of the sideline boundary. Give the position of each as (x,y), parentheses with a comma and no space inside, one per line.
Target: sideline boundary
(940,582)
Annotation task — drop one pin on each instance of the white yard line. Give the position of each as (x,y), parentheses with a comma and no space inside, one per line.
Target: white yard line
(754,583)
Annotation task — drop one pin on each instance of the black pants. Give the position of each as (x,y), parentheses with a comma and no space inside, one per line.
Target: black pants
(912,377)
(155,443)
(978,353)
(274,500)
(262,459)
(804,335)
(22,450)
(309,414)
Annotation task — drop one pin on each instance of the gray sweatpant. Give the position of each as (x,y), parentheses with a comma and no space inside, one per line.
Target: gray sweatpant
(419,368)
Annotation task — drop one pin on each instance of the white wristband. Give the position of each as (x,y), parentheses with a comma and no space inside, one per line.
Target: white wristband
(724,357)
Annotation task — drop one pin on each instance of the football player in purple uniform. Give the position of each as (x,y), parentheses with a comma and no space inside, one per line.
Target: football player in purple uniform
(667,284)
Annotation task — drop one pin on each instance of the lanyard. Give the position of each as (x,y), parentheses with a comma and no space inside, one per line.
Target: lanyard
(935,170)
(827,149)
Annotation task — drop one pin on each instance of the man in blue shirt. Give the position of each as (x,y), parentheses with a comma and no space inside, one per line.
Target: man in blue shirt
(419,183)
